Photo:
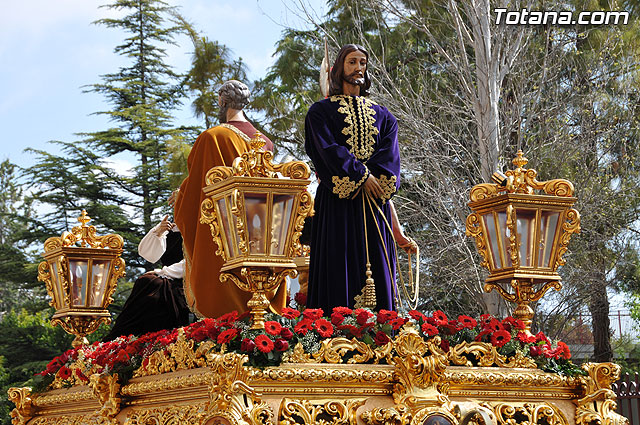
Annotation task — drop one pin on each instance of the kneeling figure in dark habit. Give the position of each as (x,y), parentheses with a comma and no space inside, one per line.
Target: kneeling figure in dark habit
(157,299)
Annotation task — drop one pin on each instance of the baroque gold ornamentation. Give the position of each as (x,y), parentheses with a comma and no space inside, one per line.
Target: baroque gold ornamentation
(23,411)
(107,390)
(527,413)
(420,367)
(344,187)
(333,350)
(360,376)
(178,356)
(474,229)
(598,404)
(230,397)
(258,281)
(180,414)
(486,355)
(360,129)
(328,412)
(305,209)
(403,415)
(570,226)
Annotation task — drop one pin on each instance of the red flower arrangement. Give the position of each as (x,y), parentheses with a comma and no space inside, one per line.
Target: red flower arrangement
(282,333)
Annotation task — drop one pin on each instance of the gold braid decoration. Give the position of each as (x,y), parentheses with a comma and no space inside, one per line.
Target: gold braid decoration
(360,129)
(344,186)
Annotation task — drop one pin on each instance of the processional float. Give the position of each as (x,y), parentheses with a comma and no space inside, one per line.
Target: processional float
(255,211)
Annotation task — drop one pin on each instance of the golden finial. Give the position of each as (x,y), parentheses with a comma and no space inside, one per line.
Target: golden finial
(257,143)
(84,218)
(520,161)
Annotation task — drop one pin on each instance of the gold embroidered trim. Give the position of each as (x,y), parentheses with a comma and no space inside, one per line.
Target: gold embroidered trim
(388,185)
(237,131)
(344,187)
(359,117)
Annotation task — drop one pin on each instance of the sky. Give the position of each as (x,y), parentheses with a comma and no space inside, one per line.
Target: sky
(50,50)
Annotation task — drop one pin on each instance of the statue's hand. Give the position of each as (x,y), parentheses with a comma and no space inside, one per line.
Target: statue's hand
(372,187)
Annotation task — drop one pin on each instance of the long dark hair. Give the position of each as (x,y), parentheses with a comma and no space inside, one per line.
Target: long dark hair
(335,77)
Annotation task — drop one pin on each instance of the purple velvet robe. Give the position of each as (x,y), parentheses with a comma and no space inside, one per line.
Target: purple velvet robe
(348,137)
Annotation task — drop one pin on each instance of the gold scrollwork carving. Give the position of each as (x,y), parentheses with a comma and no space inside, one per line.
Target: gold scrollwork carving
(527,413)
(334,350)
(218,174)
(486,355)
(24,410)
(107,390)
(44,275)
(483,191)
(569,227)
(598,404)
(296,411)
(178,356)
(474,229)
(420,367)
(305,209)
(237,209)
(181,414)
(208,216)
(230,397)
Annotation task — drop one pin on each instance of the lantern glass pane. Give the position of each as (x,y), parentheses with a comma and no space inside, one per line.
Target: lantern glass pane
(57,287)
(492,234)
(78,274)
(548,227)
(99,276)
(226,225)
(504,235)
(526,236)
(282,212)
(255,205)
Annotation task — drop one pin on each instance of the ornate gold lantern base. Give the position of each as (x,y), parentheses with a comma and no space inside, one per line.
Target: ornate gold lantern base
(259,281)
(80,326)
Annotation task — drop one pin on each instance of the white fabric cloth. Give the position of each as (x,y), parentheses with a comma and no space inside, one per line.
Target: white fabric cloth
(151,248)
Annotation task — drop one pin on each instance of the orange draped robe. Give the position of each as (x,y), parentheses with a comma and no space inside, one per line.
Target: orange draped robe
(204,292)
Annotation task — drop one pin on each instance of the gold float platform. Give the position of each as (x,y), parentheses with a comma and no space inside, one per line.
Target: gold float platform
(418,385)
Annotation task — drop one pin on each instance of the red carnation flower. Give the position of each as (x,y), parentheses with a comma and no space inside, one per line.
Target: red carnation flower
(385,316)
(564,348)
(81,375)
(272,328)
(228,318)
(526,339)
(303,326)
(264,343)
(357,311)
(247,345)
(64,372)
(535,351)
(199,334)
(440,317)
(362,317)
(351,330)
(312,313)
(500,338)
(345,311)
(122,357)
(290,313)
(540,337)
(448,329)
(417,316)
(482,334)
(286,333)
(494,325)
(323,327)
(301,298)
(429,330)
(337,318)
(467,322)
(227,336)
(381,338)
(281,345)
(397,323)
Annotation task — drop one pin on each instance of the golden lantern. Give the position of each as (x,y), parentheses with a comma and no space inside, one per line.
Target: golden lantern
(521,235)
(81,279)
(256,211)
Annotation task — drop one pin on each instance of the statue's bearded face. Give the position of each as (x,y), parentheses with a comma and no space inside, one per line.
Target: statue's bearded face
(355,66)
